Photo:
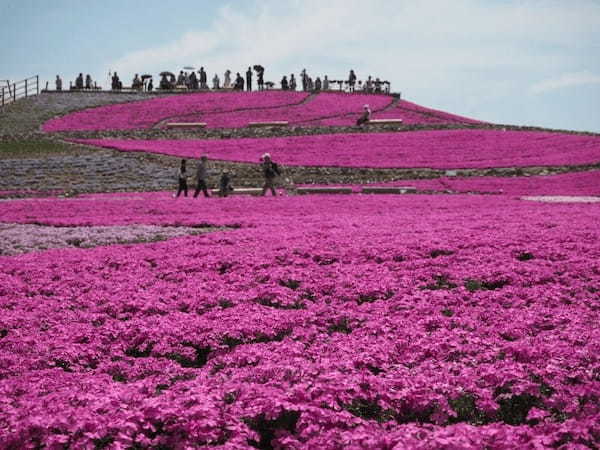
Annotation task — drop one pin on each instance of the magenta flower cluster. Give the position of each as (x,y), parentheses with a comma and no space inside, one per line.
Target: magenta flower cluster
(319,322)
(147,113)
(440,149)
(569,184)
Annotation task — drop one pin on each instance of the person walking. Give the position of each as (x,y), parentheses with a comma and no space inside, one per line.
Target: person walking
(292,82)
(249,79)
(201,176)
(182,177)
(203,78)
(270,171)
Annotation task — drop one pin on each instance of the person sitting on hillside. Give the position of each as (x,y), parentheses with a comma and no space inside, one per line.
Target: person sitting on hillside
(79,82)
(284,84)
(137,82)
(58,83)
(365,116)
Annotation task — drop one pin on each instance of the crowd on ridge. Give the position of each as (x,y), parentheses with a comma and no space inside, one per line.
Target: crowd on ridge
(190,80)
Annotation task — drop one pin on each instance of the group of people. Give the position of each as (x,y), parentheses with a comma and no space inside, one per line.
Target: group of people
(270,171)
(80,83)
(193,81)
(189,80)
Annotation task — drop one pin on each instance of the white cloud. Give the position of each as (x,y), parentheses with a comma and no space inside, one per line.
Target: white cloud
(565,81)
(460,55)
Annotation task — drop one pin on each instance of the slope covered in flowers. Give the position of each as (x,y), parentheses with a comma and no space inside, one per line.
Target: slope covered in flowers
(440,149)
(237,109)
(145,114)
(322,322)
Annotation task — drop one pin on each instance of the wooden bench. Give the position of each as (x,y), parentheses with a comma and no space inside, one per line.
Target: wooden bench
(388,190)
(241,191)
(275,123)
(186,125)
(384,122)
(323,190)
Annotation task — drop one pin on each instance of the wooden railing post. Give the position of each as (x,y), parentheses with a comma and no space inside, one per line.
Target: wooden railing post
(15,92)
(26,87)
(2,96)
(37,85)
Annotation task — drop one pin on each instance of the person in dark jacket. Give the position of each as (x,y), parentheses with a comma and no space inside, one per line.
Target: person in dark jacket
(239,82)
(249,79)
(225,187)
(182,177)
(203,79)
(284,83)
(270,171)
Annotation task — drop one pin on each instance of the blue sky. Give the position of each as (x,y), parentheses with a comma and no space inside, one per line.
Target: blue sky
(528,62)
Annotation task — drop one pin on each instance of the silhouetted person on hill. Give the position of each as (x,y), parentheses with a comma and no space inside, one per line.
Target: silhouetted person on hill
(292,82)
(260,77)
(136,83)
(325,83)
(116,83)
(79,82)
(193,81)
(239,82)
(88,81)
(318,84)
(58,83)
(284,83)
(203,79)
(227,79)
(249,79)
(304,79)
(216,82)
(351,80)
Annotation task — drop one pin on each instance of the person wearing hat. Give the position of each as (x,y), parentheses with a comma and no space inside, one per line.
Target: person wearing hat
(365,116)
(270,171)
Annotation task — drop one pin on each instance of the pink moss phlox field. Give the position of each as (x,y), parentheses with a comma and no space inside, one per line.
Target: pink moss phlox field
(574,183)
(321,322)
(413,114)
(322,109)
(442,149)
(145,114)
